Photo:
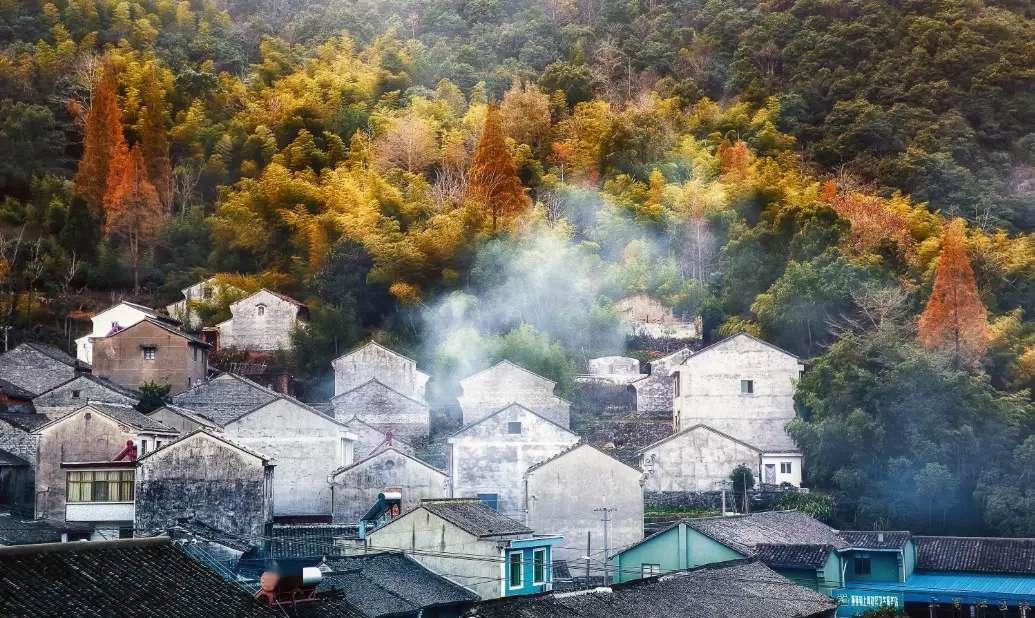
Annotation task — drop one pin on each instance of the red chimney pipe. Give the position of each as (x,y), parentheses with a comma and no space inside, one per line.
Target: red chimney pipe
(388,437)
(130,452)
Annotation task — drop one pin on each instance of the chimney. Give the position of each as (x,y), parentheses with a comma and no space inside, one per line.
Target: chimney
(129,453)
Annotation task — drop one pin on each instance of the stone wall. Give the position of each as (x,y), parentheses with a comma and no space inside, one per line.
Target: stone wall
(654,393)
(19,442)
(695,460)
(205,479)
(63,400)
(386,410)
(356,488)
(261,331)
(374,362)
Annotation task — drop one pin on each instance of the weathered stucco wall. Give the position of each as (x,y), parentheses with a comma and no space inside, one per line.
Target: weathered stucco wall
(101,324)
(695,460)
(373,361)
(503,383)
(356,488)
(306,447)
(205,479)
(369,438)
(563,493)
(654,393)
(421,530)
(485,458)
(83,436)
(64,400)
(177,362)
(385,409)
(248,330)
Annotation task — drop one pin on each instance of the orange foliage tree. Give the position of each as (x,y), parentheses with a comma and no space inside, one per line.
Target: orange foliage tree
(955,317)
(154,141)
(873,220)
(493,179)
(132,208)
(102,140)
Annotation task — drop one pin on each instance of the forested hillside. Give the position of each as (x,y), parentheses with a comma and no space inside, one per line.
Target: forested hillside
(854,181)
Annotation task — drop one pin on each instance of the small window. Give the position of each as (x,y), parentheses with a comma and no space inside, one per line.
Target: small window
(538,566)
(747,387)
(76,394)
(785,467)
(650,570)
(345,452)
(195,355)
(516,576)
(206,293)
(150,352)
(490,500)
(862,565)
(675,386)
(143,447)
(158,444)
(514,427)
(260,310)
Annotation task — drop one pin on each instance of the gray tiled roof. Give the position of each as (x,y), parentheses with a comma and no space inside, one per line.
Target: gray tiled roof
(15,391)
(22,531)
(474,516)
(793,556)
(392,583)
(729,590)
(36,367)
(10,459)
(744,532)
(130,416)
(129,578)
(307,540)
(975,554)
(54,353)
(225,399)
(25,421)
(873,539)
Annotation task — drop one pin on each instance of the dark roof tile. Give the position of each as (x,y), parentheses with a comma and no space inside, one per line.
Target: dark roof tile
(475,517)
(975,554)
(20,531)
(25,421)
(793,556)
(875,539)
(744,532)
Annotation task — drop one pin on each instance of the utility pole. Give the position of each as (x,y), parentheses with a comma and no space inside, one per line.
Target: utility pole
(606,510)
(589,548)
(6,328)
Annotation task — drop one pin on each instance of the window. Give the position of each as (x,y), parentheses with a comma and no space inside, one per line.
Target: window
(346,452)
(490,500)
(747,387)
(785,467)
(195,355)
(516,576)
(538,566)
(260,310)
(143,447)
(100,486)
(206,293)
(514,427)
(158,444)
(650,570)
(150,352)
(862,565)
(675,386)
(76,394)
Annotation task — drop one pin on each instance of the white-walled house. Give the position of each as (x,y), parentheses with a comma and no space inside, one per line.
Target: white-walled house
(505,382)
(305,444)
(207,291)
(488,458)
(375,361)
(262,322)
(121,315)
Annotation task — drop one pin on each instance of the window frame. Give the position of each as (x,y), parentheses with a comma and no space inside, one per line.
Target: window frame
(539,566)
(149,352)
(511,425)
(747,387)
(649,569)
(80,483)
(789,465)
(260,310)
(862,560)
(520,569)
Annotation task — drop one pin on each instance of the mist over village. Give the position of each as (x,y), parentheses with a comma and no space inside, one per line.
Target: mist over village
(502,309)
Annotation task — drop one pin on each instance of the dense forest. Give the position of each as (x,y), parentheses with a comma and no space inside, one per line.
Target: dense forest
(471,180)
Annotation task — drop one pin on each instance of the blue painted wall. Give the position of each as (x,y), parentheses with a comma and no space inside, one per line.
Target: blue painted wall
(527,571)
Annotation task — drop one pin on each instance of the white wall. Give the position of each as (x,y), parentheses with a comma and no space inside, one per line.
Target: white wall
(123,314)
(777,460)
(491,389)
(247,330)
(373,361)
(694,460)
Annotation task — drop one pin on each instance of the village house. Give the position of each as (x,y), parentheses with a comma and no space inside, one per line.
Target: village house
(728,590)
(151,351)
(488,458)
(370,439)
(205,477)
(262,322)
(654,391)
(590,499)
(473,545)
(643,315)
(701,458)
(14,398)
(383,389)
(17,437)
(36,368)
(85,466)
(305,444)
(490,389)
(356,487)
(120,315)
(204,292)
(16,484)
(79,391)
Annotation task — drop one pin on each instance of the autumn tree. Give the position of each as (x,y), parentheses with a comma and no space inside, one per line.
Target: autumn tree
(408,143)
(133,210)
(955,317)
(102,140)
(493,179)
(154,141)
(526,114)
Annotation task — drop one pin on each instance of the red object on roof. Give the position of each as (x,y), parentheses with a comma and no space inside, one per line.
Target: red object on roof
(130,452)
(115,327)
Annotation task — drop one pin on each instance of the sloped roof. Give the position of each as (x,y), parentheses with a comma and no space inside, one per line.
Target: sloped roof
(874,539)
(188,414)
(215,436)
(793,556)
(53,353)
(508,364)
(307,540)
(25,422)
(283,297)
(26,531)
(723,342)
(380,452)
(99,381)
(14,391)
(386,584)
(126,415)
(735,589)
(975,554)
(375,381)
(508,406)
(573,448)
(132,578)
(10,459)
(225,398)
(164,325)
(743,533)
(773,439)
(375,344)
(36,367)
(473,516)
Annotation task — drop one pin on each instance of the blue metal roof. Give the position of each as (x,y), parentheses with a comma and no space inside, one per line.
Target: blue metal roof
(946,587)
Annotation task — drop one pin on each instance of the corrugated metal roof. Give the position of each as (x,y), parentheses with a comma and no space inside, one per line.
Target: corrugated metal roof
(923,586)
